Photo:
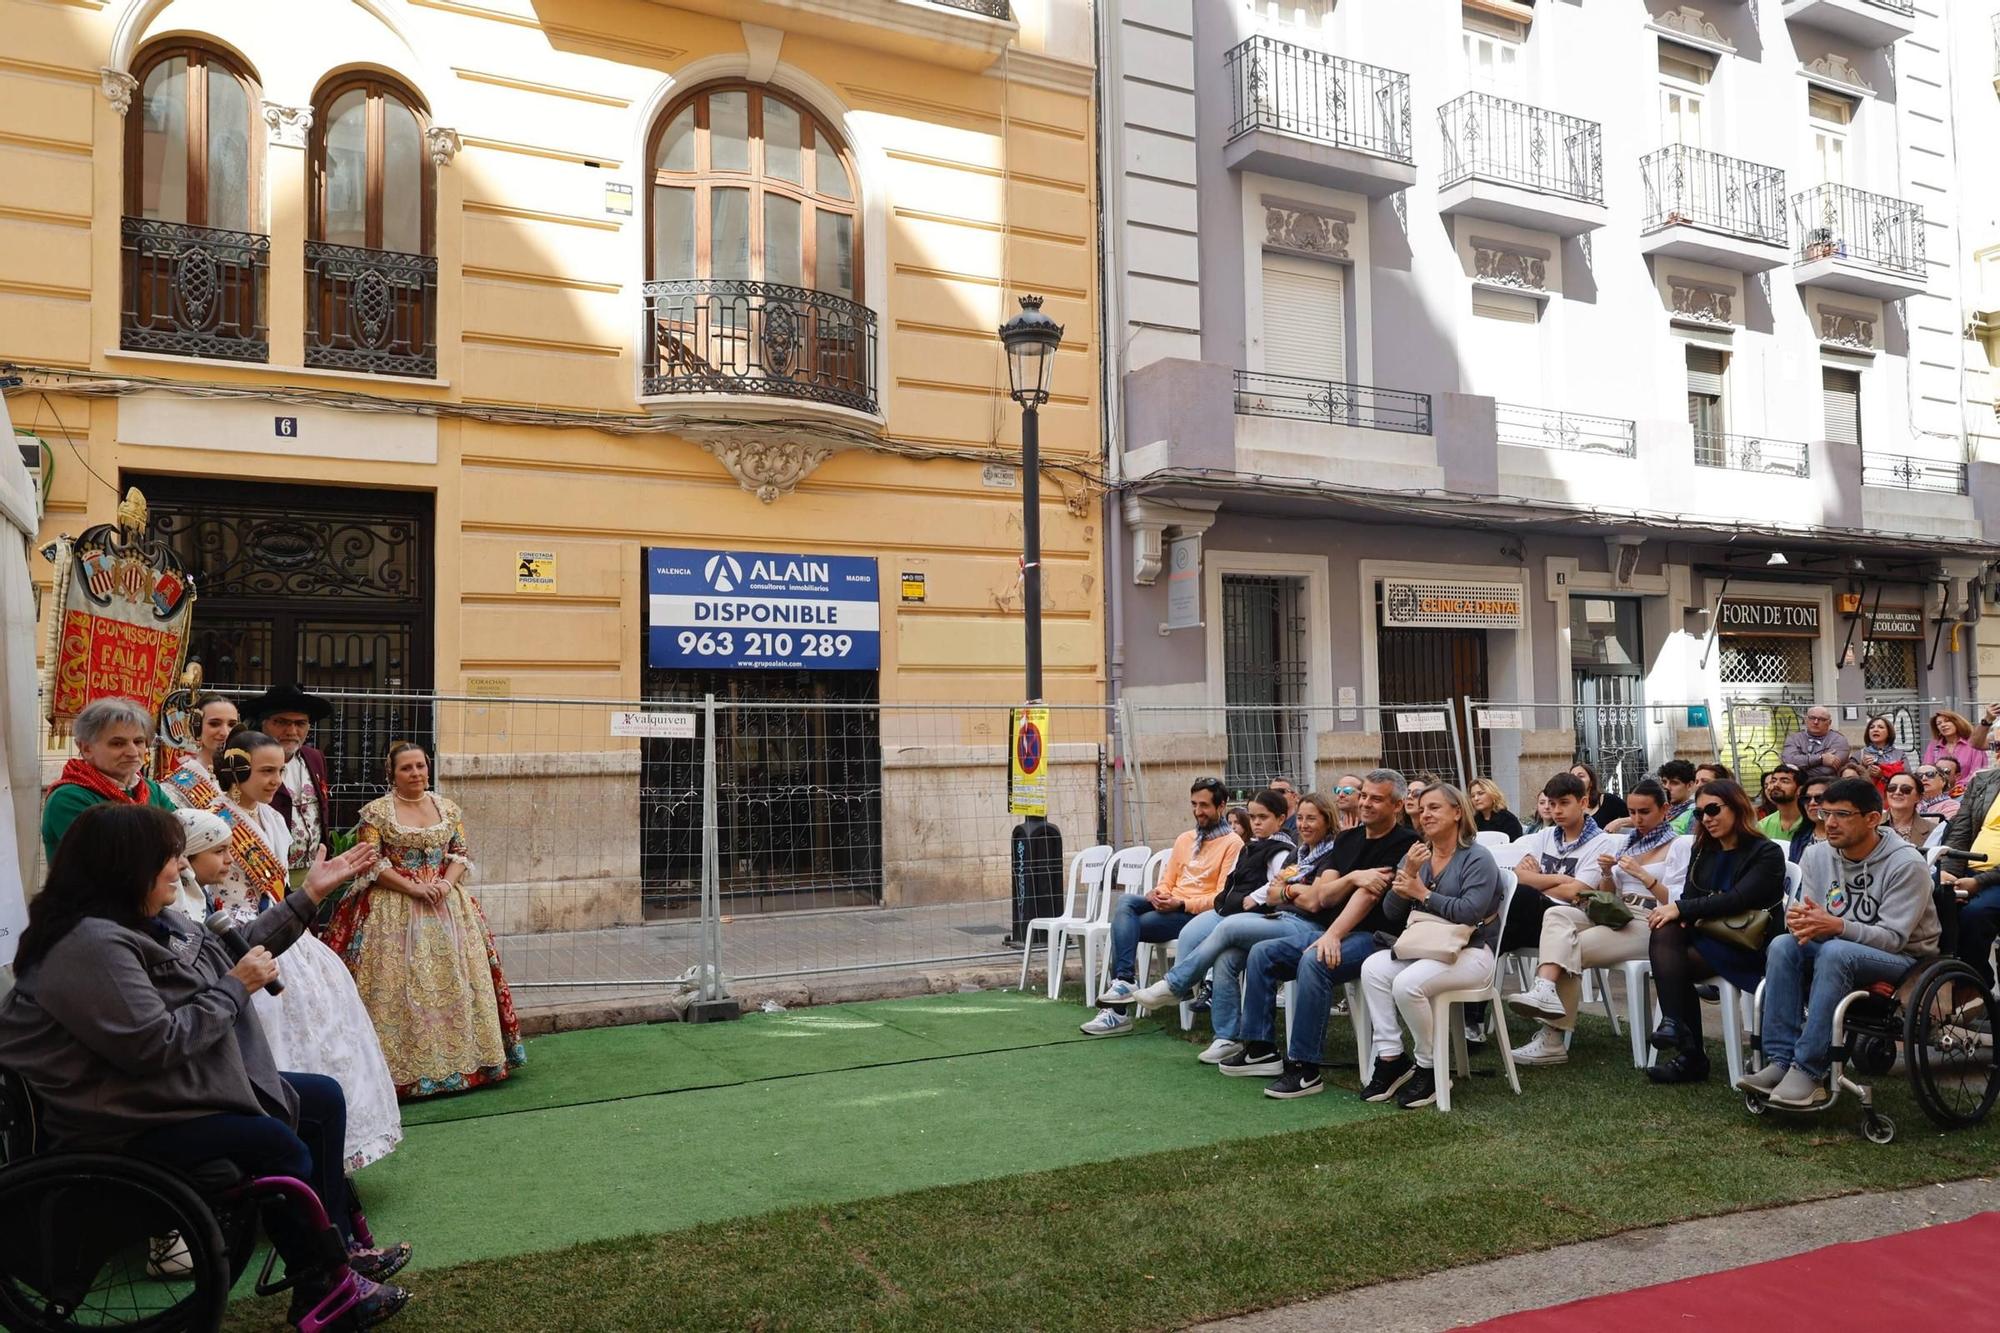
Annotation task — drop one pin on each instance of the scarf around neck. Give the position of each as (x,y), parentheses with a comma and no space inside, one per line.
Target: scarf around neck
(1583,836)
(79,772)
(1641,843)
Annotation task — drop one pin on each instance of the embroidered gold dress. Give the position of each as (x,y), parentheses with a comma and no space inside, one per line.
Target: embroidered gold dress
(430,975)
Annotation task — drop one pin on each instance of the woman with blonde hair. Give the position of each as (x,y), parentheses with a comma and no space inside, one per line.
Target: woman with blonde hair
(1489,809)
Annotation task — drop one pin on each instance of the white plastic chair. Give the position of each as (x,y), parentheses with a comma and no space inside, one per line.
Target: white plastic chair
(1123,873)
(1357,1017)
(1493,840)
(1086,868)
(1795,885)
(1448,1019)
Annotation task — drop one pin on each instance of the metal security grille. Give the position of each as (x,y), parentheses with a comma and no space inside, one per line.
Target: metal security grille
(1889,666)
(1767,668)
(1611,728)
(1264,679)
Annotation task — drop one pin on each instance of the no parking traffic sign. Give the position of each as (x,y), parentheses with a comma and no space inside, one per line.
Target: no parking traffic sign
(1028,762)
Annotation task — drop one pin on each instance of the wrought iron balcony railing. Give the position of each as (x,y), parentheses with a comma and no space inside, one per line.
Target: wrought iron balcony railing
(1907,8)
(1261,395)
(1295,90)
(371,310)
(1904,473)
(1752,453)
(1841,222)
(711,335)
(1687,186)
(1516,144)
(193,291)
(1541,428)
(993,9)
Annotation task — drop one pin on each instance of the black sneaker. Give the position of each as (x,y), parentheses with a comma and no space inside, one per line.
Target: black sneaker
(1390,1074)
(1202,991)
(1420,1090)
(1709,991)
(1297,1081)
(1684,1067)
(1256,1060)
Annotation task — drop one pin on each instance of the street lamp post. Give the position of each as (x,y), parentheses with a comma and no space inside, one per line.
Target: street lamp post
(1031,339)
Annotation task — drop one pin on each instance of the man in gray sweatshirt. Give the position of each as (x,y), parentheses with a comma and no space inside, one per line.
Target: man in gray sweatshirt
(1866,916)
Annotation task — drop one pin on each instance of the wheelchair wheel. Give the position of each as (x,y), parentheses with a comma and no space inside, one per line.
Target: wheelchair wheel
(1878,1128)
(1948,1045)
(75,1230)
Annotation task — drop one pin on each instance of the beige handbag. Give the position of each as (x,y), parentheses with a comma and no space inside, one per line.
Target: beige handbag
(1431,937)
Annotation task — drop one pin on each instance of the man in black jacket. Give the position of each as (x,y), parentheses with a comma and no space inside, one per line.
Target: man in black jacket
(1346,898)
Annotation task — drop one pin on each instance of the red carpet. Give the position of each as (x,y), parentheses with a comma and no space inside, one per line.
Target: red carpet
(1935,1277)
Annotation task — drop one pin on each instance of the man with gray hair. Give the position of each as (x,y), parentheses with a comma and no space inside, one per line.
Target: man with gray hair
(112,736)
(1816,743)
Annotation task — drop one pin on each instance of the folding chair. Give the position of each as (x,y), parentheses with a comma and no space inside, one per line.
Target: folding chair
(1085,868)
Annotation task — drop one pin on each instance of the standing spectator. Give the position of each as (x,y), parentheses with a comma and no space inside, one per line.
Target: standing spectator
(1952,738)
(1900,802)
(1976,828)
(1732,869)
(192,786)
(1817,742)
(1190,882)
(1347,800)
(1781,793)
(111,736)
(304,801)
(1286,788)
(1645,875)
(1810,829)
(1936,799)
(419,947)
(1489,809)
(1865,915)
(1605,807)
(1452,877)
(1348,894)
(1879,756)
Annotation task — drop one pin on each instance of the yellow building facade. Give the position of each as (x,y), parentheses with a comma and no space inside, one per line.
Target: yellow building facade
(421,322)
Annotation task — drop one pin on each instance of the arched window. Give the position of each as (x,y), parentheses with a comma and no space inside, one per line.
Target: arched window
(748,184)
(371,267)
(193,261)
(372,179)
(190,155)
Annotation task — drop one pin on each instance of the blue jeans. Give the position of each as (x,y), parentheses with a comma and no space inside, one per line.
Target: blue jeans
(1275,962)
(1133,921)
(263,1145)
(1804,984)
(1224,949)
(1191,940)
(1978,923)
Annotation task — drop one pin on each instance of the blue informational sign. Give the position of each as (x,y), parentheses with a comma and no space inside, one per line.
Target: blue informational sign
(762,609)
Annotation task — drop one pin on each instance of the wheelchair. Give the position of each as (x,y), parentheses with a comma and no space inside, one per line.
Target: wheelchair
(77,1231)
(1937,1020)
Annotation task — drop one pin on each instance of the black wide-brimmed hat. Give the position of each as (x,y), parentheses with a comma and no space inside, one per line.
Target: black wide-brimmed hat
(287,699)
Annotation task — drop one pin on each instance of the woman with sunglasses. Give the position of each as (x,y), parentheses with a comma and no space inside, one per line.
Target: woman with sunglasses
(1732,869)
(1935,798)
(1900,800)
(1489,809)
(1812,828)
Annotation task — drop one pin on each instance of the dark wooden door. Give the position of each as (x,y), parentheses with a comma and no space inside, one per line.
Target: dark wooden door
(1431,666)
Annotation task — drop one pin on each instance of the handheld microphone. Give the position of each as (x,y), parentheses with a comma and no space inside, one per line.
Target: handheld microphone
(223,928)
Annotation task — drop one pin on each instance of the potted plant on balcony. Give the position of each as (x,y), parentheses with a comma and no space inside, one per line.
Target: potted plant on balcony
(1819,243)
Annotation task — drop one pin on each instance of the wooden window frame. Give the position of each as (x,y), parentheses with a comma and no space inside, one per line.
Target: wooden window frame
(703,179)
(199,55)
(375,87)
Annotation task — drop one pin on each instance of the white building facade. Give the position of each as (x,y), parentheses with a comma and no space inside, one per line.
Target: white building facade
(1592,373)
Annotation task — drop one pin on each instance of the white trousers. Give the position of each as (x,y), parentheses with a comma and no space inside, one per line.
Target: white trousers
(1394,987)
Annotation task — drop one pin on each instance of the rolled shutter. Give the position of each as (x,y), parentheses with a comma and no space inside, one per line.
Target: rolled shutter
(1705,370)
(1305,319)
(1840,392)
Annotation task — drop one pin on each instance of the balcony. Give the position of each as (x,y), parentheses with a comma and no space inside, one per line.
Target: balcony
(993,9)
(1853,241)
(1872,23)
(1752,453)
(1904,473)
(193,291)
(1332,403)
(1713,209)
(1510,162)
(1578,432)
(719,338)
(373,311)
(1310,116)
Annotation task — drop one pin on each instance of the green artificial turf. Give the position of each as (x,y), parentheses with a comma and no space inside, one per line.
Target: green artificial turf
(605,1064)
(1039,1216)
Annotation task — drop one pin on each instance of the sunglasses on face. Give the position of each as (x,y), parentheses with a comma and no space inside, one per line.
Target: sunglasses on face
(1929,773)
(1345,791)
(1709,811)
(1814,798)
(1901,790)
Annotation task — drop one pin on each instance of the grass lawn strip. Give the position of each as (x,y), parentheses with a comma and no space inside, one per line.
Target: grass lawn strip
(1160,1240)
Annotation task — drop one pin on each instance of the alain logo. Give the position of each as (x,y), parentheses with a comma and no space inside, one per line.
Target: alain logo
(723,573)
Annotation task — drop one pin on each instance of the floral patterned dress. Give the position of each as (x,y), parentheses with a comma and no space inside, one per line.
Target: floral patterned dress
(430,975)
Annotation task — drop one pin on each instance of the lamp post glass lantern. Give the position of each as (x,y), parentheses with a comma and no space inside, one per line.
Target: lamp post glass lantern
(1031,339)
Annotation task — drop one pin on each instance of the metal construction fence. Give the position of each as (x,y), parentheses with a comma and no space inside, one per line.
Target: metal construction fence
(1754,731)
(632,848)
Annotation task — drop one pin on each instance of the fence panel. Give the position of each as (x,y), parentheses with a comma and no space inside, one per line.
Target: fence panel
(1622,741)
(1755,730)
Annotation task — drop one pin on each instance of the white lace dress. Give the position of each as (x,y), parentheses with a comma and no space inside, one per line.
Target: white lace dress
(318,1025)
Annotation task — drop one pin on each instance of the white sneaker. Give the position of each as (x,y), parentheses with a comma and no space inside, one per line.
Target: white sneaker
(1159,995)
(1108,1023)
(1219,1050)
(1475,1034)
(1538,1001)
(1118,992)
(167,1257)
(1544,1048)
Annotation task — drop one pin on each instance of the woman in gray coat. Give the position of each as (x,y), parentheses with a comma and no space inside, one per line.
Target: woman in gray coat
(134,1028)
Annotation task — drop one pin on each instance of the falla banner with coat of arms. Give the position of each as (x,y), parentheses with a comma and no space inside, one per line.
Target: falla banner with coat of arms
(122,604)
